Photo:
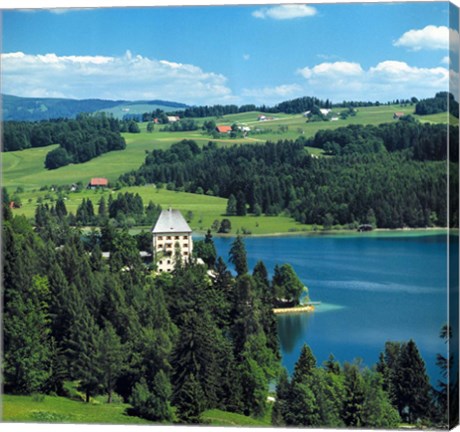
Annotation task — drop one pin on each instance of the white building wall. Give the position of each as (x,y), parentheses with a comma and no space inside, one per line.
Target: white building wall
(165,246)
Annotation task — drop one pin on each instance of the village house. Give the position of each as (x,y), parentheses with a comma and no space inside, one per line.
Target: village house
(173,119)
(97,182)
(223,129)
(398,115)
(172,237)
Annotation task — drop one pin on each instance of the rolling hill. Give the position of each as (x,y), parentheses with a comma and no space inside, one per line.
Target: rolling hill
(36,109)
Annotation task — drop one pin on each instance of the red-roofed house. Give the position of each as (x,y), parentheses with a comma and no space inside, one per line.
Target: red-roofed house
(398,115)
(98,182)
(223,129)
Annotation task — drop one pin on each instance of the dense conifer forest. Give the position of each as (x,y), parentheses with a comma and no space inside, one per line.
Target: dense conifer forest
(390,176)
(79,140)
(174,345)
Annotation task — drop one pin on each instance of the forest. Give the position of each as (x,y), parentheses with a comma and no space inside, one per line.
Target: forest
(441,102)
(390,176)
(174,345)
(79,140)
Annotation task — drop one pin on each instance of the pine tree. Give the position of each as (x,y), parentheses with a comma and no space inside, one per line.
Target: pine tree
(304,366)
(281,405)
(112,358)
(412,385)
(60,208)
(241,209)
(83,351)
(354,396)
(231,206)
(27,344)
(238,256)
(189,400)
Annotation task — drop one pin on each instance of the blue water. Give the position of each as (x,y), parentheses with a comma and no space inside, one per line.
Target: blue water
(372,289)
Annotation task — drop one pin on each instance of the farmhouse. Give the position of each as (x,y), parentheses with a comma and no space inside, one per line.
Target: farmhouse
(223,129)
(173,119)
(172,237)
(398,115)
(98,182)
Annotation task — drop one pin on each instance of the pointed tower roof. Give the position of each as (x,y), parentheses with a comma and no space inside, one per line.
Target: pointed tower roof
(171,221)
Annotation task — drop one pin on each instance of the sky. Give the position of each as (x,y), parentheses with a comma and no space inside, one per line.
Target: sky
(232,54)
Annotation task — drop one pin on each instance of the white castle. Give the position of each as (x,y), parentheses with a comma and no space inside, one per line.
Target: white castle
(172,237)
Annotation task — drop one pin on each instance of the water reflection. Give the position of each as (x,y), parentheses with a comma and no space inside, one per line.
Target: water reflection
(290,329)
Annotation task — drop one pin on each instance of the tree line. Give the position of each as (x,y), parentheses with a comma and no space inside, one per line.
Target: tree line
(388,188)
(441,102)
(79,140)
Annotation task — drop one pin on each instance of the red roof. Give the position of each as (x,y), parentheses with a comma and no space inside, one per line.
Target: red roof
(223,129)
(99,181)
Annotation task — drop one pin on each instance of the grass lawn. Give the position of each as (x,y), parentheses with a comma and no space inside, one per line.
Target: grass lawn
(55,409)
(26,168)
(217,417)
(205,208)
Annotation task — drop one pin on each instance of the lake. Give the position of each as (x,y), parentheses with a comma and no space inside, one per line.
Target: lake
(372,287)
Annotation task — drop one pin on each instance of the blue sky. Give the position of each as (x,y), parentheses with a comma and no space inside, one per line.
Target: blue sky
(230,54)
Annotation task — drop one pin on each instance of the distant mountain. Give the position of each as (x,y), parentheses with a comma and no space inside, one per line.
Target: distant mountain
(34,109)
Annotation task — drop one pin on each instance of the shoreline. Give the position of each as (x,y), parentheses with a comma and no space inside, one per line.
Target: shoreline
(300,309)
(343,232)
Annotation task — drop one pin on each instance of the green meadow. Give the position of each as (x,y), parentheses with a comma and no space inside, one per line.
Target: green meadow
(205,209)
(56,409)
(25,169)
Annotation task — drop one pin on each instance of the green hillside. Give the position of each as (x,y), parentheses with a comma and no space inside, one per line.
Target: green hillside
(35,109)
(26,168)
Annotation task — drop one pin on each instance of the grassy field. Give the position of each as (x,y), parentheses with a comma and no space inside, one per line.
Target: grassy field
(25,168)
(55,409)
(217,417)
(205,208)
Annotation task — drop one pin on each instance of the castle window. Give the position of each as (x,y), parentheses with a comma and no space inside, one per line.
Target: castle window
(169,262)
(185,253)
(161,262)
(177,237)
(168,238)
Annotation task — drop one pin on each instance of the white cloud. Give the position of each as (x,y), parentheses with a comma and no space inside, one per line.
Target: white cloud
(429,38)
(445,60)
(285,12)
(126,77)
(272,94)
(385,81)
(336,69)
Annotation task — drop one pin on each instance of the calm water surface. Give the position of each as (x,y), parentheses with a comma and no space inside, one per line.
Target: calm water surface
(372,288)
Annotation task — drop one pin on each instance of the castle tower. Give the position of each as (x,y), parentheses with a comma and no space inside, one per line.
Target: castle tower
(171,235)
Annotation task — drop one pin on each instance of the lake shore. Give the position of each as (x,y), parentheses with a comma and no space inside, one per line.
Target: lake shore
(344,232)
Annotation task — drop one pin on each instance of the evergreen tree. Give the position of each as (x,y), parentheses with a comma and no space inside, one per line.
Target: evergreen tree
(240,204)
(189,400)
(27,344)
(238,256)
(231,206)
(111,359)
(281,405)
(304,366)
(153,404)
(354,396)
(412,385)
(83,352)
(60,208)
